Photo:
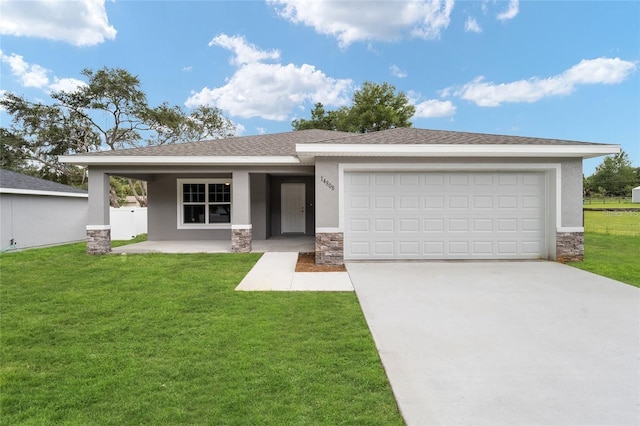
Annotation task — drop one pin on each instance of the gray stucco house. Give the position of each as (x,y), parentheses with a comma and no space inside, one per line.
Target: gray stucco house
(404,193)
(36,212)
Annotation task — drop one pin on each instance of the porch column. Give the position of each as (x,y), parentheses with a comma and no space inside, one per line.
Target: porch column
(329,234)
(98,226)
(240,213)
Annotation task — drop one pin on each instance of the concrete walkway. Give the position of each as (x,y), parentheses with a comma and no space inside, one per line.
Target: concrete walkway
(504,343)
(275,271)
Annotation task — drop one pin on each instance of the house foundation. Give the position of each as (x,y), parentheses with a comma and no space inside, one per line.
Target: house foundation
(98,239)
(241,238)
(569,246)
(329,248)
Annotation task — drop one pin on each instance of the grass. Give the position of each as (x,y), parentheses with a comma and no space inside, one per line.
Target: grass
(612,245)
(609,202)
(165,339)
(611,205)
(612,223)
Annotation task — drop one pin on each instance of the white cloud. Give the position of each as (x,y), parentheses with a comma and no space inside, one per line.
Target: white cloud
(433,108)
(472,25)
(511,12)
(66,84)
(588,71)
(187,69)
(81,22)
(245,53)
(397,72)
(30,75)
(34,75)
(240,129)
(352,21)
(270,91)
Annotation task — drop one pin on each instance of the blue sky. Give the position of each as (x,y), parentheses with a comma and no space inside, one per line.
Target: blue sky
(552,69)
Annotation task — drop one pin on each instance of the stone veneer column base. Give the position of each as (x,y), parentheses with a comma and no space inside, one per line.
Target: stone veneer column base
(569,246)
(98,241)
(241,240)
(329,248)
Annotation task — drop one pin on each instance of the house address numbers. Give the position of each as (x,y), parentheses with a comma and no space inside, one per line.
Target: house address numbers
(327,183)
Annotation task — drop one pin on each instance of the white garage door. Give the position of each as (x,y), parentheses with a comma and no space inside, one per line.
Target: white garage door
(444,215)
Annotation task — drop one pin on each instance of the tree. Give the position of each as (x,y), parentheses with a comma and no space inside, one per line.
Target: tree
(614,176)
(374,107)
(320,119)
(110,111)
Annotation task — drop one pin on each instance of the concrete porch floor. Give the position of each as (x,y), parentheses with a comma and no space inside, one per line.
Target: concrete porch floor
(300,244)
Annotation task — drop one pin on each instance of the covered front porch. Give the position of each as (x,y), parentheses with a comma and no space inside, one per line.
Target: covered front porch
(296,243)
(212,209)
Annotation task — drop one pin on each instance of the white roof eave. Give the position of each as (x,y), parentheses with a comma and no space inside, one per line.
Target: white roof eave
(308,151)
(194,160)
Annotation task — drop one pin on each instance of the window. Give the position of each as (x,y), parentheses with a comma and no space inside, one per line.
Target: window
(204,203)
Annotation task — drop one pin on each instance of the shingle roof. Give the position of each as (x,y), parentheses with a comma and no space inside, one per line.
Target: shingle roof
(14,180)
(275,144)
(284,144)
(413,136)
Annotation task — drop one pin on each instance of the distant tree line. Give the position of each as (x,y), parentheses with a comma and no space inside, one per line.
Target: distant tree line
(615,176)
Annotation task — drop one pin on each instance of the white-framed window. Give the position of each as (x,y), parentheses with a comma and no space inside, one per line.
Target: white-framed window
(204,203)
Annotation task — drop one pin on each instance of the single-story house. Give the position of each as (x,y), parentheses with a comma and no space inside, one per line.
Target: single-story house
(635,195)
(36,212)
(403,193)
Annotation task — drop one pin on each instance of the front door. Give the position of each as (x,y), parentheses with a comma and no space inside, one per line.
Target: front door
(293,216)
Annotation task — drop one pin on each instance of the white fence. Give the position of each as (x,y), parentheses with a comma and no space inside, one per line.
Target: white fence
(127,222)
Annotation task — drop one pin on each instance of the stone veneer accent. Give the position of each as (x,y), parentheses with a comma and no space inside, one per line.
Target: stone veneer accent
(241,240)
(329,248)
(569,246)
(98,241)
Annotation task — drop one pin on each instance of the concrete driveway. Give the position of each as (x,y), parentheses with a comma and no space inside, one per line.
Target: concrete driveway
(504,343)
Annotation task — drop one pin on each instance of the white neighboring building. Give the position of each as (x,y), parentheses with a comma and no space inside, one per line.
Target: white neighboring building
(36,212)
(635,195)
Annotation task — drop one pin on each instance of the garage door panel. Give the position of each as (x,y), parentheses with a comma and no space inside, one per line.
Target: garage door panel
(383,202)
(434,202)
(484,202)
(409,179)
(482,225)
(409,248)
(384,248)
(433,249)
(459,179)
(458,248)
(383,225)
(484,179)
(482,248)
(434,179)
(441,215)
(359,225)
(433,225)
(409,225)
(383,179)
(458,225)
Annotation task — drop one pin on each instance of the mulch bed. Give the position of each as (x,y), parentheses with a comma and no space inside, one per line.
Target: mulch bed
(307,263)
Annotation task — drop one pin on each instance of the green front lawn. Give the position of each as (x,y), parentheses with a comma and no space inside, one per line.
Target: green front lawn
(612,245)
(165,339)
(613,256)
(612,223)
